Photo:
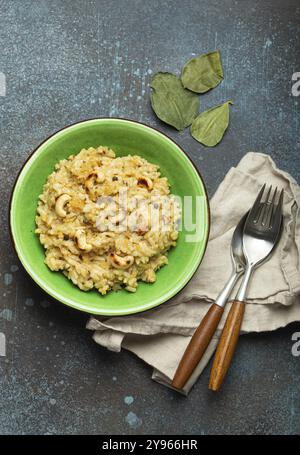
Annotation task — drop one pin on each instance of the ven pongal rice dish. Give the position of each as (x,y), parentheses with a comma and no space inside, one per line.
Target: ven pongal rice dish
(106,221)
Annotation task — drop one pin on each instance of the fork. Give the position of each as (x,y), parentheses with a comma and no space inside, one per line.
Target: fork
(261,233)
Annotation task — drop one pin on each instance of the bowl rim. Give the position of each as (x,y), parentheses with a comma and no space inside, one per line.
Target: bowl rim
(56,296)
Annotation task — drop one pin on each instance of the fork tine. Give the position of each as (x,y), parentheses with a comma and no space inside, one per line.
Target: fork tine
(277,213)
(268,195)
(260,194)
(270,209)
(280,202)
(266,208)
(274,195)
(256,208)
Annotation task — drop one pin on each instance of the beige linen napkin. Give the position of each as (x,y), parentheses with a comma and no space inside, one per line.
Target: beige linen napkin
(160,336)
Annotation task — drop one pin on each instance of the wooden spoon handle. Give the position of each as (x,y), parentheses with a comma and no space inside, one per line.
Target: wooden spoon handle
(227,344)
(197,346)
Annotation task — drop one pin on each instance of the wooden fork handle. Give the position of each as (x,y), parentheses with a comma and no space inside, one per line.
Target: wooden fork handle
(227,345)
(197,346)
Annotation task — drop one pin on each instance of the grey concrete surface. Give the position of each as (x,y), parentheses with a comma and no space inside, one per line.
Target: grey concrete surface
(70,60)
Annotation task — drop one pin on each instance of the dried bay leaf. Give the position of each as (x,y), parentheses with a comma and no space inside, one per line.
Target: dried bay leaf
(209,127)
(171,102)
(203,73)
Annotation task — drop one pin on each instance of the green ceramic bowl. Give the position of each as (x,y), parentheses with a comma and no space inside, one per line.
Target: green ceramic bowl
(124,137)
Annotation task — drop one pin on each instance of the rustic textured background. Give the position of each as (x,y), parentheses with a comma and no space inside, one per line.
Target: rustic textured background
(70,60)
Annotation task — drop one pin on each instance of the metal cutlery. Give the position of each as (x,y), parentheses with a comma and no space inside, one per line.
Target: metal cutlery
(261,234)
(205,331)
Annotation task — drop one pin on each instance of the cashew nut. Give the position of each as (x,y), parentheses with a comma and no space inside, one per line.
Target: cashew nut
(89,181)
(60,204)
(145,181)
(139,221)
(81,240)
(97,175)
(100,176)
(120,262)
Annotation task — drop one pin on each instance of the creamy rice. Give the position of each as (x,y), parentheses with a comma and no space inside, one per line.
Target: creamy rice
(103,220)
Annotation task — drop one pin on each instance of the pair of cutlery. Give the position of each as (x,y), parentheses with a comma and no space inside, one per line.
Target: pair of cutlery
(253,242)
